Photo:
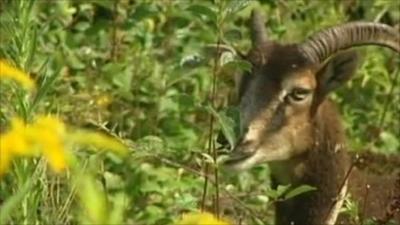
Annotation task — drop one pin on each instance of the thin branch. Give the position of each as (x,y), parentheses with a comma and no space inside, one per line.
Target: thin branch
(342,185)
(205,185)
(367,187)
(211,145)
(114,30)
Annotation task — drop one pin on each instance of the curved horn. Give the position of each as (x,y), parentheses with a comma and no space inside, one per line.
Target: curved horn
(258,33)
(327,42)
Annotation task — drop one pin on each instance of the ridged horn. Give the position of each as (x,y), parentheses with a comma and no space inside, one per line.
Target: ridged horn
(327,42)
(258,32)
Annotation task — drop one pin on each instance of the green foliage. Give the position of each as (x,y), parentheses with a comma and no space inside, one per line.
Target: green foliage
(141,69)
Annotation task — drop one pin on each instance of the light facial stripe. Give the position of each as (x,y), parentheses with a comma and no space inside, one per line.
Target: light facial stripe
(282,95)
(257,126)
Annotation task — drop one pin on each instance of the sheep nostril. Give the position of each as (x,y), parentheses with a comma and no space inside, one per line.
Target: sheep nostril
(246,143)
(243,146)
(242,151)
(245,130)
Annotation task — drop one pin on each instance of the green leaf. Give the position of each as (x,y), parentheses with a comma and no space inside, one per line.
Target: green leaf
(299,190)
(282,189)
(238,64)
(123,80)
(278,192)
(74,61)
(185,101)
(233,35)
(227,125)
(234,113)
(105,4)
(272,193)
(390,142)
(93,200)
(263,198)
(154,213)
(201,10)
(82,26)
(113,181)
(142,12)
(119,205)
(236,6)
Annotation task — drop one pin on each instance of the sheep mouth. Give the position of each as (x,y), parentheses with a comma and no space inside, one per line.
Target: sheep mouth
(237,158)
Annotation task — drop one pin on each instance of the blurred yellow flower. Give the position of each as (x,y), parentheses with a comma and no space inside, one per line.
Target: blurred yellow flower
(200,219)
(103,101)
(11,144)
(44,136)
(48,136)
(8,71)
(48,133)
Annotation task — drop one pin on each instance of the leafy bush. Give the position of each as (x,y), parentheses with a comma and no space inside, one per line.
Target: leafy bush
(142,70)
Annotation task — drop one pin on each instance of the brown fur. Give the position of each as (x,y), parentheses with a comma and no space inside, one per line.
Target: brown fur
(326,168)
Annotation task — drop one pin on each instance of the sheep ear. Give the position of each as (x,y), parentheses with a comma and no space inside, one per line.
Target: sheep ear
(337,71)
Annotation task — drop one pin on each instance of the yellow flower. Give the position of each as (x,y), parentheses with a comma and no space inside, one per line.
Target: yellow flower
(49,133)
(47,136)
(103,101)
(5,153)
(10,72)
(200,219)
(12,144)
(5,160)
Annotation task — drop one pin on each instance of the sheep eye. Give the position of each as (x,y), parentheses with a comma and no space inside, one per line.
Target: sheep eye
(299,94)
